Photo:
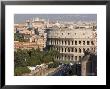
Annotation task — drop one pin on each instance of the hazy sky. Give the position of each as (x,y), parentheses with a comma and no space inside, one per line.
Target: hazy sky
(20,18)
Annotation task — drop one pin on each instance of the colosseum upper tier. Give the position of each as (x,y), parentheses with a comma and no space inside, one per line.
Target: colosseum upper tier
(71,43)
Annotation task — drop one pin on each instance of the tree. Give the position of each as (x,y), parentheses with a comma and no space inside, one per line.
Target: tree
(20,37)
(20,57)
(21,70)
(33,57)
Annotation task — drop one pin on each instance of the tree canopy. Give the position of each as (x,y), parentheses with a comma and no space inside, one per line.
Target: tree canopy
(33,57)
(20,37)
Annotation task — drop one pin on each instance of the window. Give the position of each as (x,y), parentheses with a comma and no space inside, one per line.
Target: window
(75,33)
(83,49)
(92,42)
(62,42)
(79,57)
(68,33)
(72,42)
(68,42)
(72,50)
(75,49)
(75,58)
(80,42)
(75,42)
(62,33)
(88,42)
(92,49)
(83,42)
(79,50)
(87,48)
(65,49)
(68,50)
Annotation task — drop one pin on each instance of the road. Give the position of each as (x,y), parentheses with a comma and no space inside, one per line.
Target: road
(63,70)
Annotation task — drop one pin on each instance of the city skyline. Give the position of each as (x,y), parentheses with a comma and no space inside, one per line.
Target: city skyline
(20,18)
(45,47)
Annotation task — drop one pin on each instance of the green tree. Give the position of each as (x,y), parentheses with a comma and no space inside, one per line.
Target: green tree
(33,57)
(20,58)
(20,37)
(21,70)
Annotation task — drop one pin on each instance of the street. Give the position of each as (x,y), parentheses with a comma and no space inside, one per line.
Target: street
(66,70)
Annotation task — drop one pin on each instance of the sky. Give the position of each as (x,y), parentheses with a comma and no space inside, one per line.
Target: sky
(20,18)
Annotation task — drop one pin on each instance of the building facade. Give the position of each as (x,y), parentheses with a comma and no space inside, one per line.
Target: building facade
(29,45)
(71,43)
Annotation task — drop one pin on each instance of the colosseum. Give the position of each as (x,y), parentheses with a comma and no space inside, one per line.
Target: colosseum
(72,42)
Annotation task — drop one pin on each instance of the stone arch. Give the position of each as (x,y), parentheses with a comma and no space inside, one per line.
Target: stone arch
(62,42)
(92,43)
(80,42)
(68,42)
(72,42)
(88,49)
(83,42)
(75,49)
(65,42)
(83,49)
(68,49)
(88,42)
(62,49)
(65,49)
(72,49)
(79,50)
(75,42)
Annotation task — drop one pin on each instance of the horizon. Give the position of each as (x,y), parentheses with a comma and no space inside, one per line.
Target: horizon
(20,18)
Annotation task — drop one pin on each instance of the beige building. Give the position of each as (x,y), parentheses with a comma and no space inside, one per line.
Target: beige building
(71,43)
(29,45)
(25,31)
(25,45)
(40,40)
(19,25)
(21,28)
(38,23)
